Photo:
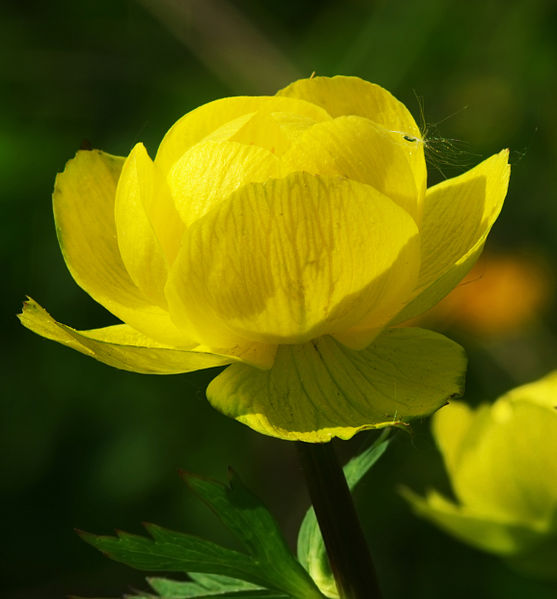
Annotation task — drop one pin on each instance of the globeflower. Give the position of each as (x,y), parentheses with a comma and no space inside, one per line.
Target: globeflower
(285,236)
(500,459)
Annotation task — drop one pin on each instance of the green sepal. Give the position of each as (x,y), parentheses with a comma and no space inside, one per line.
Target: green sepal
(311,549)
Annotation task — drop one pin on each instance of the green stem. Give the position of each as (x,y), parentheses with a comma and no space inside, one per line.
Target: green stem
(347,549)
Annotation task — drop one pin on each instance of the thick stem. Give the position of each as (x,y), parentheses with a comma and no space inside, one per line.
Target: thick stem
(347,549)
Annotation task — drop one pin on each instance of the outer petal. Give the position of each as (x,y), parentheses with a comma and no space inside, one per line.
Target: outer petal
(83,199)
(351,95)
(503,468)
(450,427)
(202,121)
(321,390)
(457,217)
(147,223)
(361,150)
(496,535)
(119,346)
(542,392)
(210,171)
(294,258)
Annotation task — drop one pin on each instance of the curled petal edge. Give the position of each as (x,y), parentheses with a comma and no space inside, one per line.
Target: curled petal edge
(123,347)
(321,389)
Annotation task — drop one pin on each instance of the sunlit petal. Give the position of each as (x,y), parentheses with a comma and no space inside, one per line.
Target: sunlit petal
(203,121)
(83,199)
(119,346)
(457,217)
(292,259)
(356,148)
(341,96)
(319,390)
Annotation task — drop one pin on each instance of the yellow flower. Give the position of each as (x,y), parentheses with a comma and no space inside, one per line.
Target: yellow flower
(283,235)
(502,463)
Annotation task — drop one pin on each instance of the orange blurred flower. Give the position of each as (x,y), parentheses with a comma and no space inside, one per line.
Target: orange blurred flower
(501,294)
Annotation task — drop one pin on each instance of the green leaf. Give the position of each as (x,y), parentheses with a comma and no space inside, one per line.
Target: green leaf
(200,585)
(268,566)
(252,523)
(210,585)
(311,549)
(170,551)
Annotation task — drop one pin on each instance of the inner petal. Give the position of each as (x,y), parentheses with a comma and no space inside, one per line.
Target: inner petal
(342,95)
(201,122)
(210,171)
(293,259)
(274,131)
(357,148)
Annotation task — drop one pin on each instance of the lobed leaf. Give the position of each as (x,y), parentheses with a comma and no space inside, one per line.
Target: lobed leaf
(251,522)
(267,570)
(210,585)
(170,551)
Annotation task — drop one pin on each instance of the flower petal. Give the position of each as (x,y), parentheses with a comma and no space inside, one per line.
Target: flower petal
(202,121)
(273,131)
(450,426)
(321,389)
(292,259)
(210,171)
(496,535)
(357,148)
(503,469)
(542,392)
(353,96)
(83,201)
(457,217)
(119,346)
(147,224)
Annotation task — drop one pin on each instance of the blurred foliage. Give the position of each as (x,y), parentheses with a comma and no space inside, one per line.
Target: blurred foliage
(90,447)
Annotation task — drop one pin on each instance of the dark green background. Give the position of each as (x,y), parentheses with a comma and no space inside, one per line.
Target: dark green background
(87,446)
